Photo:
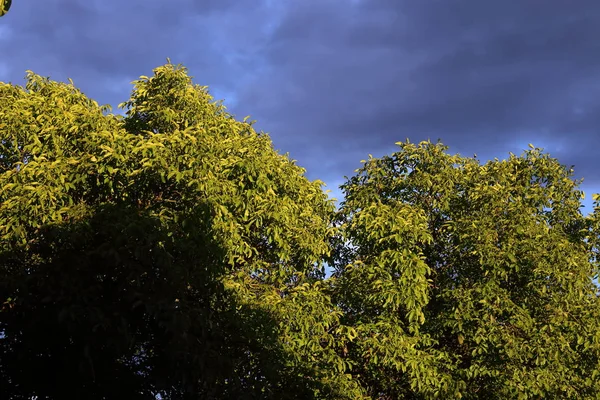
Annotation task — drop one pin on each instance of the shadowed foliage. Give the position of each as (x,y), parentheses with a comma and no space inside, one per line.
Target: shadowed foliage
(169,252)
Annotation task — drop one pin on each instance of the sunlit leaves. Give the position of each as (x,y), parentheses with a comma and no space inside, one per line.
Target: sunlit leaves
(4,6)
(174,252)
(176,234)
(480,272)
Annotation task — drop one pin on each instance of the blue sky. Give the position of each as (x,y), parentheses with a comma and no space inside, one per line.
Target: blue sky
(335,80)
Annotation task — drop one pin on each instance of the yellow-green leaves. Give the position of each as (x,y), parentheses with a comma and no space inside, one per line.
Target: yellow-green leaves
(173,251)
(4,6)
(467,280)
(176,235)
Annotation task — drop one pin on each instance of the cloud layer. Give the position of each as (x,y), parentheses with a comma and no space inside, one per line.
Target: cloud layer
(334,80)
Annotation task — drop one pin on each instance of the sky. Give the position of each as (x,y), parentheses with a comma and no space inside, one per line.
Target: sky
(335,80)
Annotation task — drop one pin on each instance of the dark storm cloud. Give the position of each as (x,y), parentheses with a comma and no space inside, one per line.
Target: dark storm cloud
(334,80)
(486,77)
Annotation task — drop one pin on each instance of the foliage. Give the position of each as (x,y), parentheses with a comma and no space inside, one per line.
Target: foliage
(171,251)
(4,6)
(465,280)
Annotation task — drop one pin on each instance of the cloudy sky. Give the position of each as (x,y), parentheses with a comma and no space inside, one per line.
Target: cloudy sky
(335,80)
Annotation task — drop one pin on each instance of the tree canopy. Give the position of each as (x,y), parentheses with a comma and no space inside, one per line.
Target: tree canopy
(168,252)
(466,280)
(172,251)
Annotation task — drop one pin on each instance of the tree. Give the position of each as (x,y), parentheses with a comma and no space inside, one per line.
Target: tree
(469,281)
(4,6)
(172,251)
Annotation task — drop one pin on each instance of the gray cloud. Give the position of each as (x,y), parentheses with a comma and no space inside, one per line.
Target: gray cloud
(485,77)
(103,45)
